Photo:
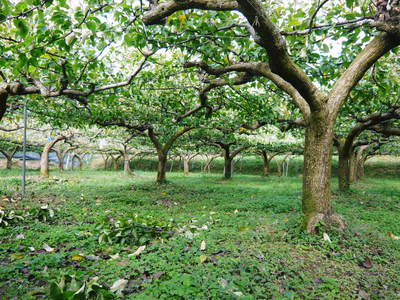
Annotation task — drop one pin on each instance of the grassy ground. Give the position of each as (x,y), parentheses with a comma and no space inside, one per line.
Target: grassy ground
(215,239)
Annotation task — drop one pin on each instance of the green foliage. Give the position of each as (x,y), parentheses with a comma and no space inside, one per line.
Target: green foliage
(133,231)
(250,227)
(43,213)
(10,217)
(68,288)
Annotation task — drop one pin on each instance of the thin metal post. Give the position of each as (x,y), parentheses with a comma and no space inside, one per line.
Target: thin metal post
(24,154)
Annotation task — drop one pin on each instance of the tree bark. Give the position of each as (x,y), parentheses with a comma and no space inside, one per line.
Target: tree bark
(162,164)
(9,157)
(266,161)
(80,161)
(227,167)
(186,165)
(44,161)
(343,172)
(127,165)
(316,204)
(207,167)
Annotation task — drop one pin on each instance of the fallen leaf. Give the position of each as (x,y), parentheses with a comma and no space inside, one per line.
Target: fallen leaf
(115,256)
(158,275)
(392,236)
(92,257)
(78,257)
(202,258)
(363,295)
(223,282)
(48,248)
(123,262)
(17,255)
(118,286)
(138,251)
(367,263)
(326,237)
(203,246)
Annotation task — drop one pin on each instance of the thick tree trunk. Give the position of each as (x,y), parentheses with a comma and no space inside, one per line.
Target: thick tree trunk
(266,161)
(186,166)
(227,167)
(9,162)
(316,203)
(162,165)
(352,167)
(44,161)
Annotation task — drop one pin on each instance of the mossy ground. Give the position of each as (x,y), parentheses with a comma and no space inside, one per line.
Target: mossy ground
(254,249)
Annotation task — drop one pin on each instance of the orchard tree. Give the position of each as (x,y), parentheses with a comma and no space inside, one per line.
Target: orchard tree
(283,43)
(63,48)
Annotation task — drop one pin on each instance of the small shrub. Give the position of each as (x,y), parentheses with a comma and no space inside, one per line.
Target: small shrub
(8,217)
(133,231)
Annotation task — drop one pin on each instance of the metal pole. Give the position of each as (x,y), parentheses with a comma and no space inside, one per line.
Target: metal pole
(24,154)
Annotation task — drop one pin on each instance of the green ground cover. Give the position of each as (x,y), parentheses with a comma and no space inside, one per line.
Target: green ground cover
(205,238)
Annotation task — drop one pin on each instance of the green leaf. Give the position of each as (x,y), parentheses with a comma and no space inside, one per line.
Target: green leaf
(91,26)
(22,26)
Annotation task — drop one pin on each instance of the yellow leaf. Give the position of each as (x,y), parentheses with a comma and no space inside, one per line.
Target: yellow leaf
(182,19)
(78,257)
(202,258)
(17,255)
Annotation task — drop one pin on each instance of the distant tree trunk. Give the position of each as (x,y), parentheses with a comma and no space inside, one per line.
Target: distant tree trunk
(207,166)
(105,157)
(44,161)
(359,160)
(228,158)
(343,171)
(185,165)
(172,164)
(187,158)
(127,161)
(267,161)
(61,156)
(80,161)
(9,157)
(60,159)
(352,167)
(115,160)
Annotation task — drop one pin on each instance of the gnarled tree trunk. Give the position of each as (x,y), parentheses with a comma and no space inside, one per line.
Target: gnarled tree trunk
(44,161)
(80,161)
(9,157)
(316,204)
